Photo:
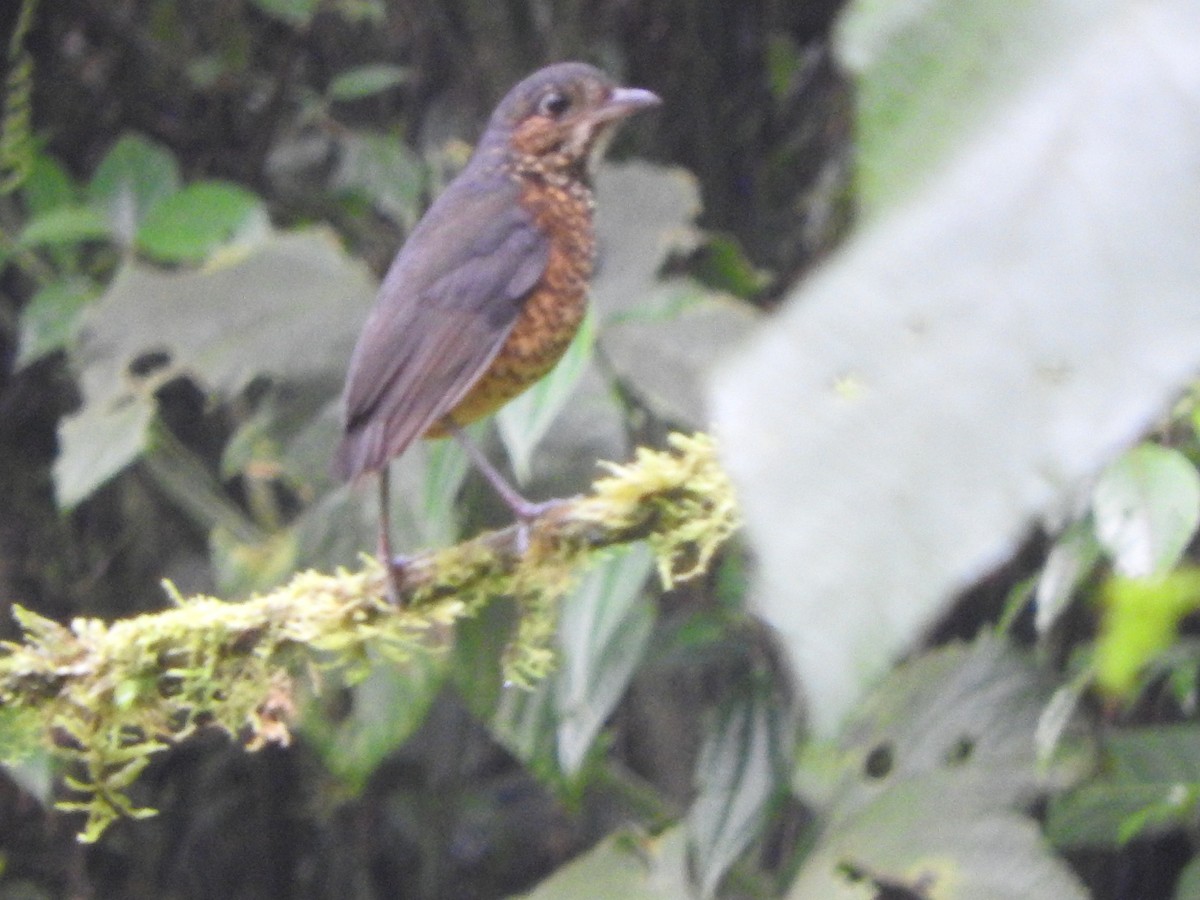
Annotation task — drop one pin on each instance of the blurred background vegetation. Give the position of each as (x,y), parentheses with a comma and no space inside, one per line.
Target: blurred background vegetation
(198,197)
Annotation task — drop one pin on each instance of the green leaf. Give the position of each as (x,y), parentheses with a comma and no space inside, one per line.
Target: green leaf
(47,187)
(187,226)
(1070,561)
(135,174)
(1187,887)
(50,320)
(1147,507)
(223,326)
(374,718)
(602,633)
(724,264)
(1151,785)
(523,422)
(523,722)
(364,81)
(737,774)
(931,73)
(668,349)
(97,443)
(935,766)
(972,711)
(992,308)
(622,867)
(385,170)
(297,13)
(64,225)
(932,838)
(1140,621)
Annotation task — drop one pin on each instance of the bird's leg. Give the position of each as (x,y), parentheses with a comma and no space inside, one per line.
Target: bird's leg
(390,563)
(524,510)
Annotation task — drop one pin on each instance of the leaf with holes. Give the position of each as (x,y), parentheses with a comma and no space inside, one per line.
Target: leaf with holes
(936,766)
(222,327)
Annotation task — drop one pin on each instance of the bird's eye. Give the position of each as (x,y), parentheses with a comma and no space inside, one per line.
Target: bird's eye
(553,104)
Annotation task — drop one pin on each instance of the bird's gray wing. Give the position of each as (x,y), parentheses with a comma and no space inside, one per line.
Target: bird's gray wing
(443,312)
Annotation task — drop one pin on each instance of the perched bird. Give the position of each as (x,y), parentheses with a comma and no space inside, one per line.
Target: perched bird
(490,287)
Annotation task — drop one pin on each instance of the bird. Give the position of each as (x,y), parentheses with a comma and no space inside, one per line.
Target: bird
(488,290)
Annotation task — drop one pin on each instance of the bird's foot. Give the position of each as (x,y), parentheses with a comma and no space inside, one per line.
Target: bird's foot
(526,512)
(395,578)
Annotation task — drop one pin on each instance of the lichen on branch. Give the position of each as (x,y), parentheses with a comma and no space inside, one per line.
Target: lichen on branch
(108,695)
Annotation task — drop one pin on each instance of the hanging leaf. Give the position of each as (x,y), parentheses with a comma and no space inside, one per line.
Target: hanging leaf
(738,773)
(364,81)
(602,634)
(97,443)
(1141,618)
(47,187)
(1070,561)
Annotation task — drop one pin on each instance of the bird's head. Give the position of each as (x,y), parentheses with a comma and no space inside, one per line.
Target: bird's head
(560,118)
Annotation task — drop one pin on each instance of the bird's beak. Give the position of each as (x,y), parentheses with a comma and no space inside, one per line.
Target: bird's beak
(624,102)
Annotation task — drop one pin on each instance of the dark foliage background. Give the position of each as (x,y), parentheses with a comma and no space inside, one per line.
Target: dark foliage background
(295,116)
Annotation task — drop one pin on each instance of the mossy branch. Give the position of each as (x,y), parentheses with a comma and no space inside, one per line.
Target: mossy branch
(110,694)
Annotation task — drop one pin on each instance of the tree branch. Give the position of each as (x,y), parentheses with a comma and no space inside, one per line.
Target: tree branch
(111,694)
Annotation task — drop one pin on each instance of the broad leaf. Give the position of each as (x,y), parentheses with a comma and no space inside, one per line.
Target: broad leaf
(47,187)
(190,224)
(660,338)
(934,769)
(1151,785)
(380,712)
(385,170)
(622,867)
(286,309)
(975,354)
(292,12)
(932,838)
(135,175)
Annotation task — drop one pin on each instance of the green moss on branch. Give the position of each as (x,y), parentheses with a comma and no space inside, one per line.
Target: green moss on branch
(108,695)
